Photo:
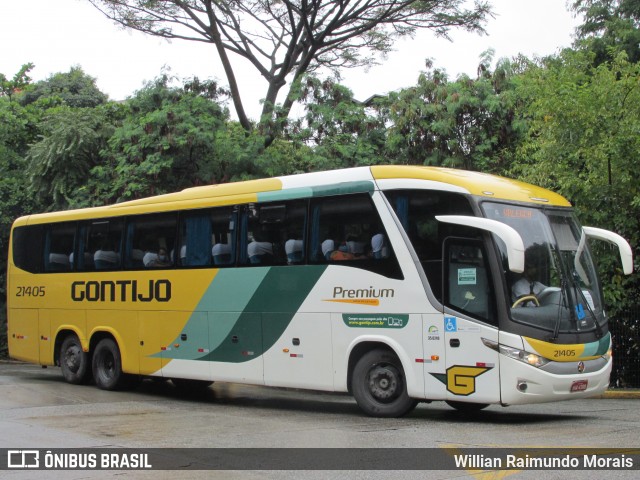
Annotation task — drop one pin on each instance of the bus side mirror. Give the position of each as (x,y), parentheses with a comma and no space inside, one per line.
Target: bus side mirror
(626,254)
(511,238)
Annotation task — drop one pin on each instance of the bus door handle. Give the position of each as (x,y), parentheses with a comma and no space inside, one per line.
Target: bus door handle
(454,342)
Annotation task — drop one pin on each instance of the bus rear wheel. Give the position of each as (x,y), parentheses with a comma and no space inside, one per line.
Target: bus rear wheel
(107,367)
(74,362)
(379,385)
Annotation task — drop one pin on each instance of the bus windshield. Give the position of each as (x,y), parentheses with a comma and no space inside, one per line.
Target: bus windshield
(559,289)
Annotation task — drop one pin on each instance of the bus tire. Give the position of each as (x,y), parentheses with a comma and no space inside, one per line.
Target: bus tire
(107,366)
(466,407)
(74,362)
(379,385)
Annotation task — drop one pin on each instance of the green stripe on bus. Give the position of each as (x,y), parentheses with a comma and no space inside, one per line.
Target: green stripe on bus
(321,191)
(272,307)
(599,347)
(244,312)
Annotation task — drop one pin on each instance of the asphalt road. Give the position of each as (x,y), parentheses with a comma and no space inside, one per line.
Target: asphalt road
(39,410)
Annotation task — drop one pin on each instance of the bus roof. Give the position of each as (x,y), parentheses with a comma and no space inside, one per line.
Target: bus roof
(308,184)
(475,183)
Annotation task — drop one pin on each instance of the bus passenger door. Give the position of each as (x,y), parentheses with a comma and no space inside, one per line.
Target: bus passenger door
(472,368)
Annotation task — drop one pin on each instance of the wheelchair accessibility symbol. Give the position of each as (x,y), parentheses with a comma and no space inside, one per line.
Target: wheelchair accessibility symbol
(450,324)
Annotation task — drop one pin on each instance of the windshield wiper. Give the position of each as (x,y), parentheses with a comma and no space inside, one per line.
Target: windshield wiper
(561,304)
(580,294)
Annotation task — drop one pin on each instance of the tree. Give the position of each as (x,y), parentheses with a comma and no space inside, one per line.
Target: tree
(342,131)
(609,25)
(19,81)
(285,39)
(583,142)
(73,88)
(467,123)
(69,146)
(167,141)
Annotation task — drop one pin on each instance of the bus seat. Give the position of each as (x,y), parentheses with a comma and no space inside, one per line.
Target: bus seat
(293,248)
(328,246)
(379,246)
(355,247)
(136,258)
(105,259)
(260,253)
(58,262)
(221,253)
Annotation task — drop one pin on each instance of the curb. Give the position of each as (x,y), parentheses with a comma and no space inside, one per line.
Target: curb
(622,393)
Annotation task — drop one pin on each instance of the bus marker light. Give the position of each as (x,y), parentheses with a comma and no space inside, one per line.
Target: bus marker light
(285,350)
(176,345)
(435,358)
(163,348)
(419,360)
(295,355)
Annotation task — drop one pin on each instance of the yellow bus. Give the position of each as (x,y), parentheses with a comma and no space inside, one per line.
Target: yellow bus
(398,284)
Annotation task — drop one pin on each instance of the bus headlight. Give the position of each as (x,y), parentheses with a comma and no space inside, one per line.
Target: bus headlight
(525,357)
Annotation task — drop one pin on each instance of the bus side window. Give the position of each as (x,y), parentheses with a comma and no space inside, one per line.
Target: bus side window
(208,237)
(273,233)
(100,245)
(151,241)
(468,287)
(27,244)
(416,210)
(347,230)
(58,247)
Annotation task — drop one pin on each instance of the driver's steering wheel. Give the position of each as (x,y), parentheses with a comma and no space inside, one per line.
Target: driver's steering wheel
(526,298)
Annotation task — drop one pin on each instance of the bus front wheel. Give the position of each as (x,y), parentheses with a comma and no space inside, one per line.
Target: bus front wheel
(379,385)
(74,362)
(107,366)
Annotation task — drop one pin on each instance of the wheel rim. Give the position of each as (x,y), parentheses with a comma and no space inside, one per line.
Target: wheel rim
(384,383)
(107,366)
(73,358)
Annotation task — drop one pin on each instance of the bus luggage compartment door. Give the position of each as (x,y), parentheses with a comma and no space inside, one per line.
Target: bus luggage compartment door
(23,339)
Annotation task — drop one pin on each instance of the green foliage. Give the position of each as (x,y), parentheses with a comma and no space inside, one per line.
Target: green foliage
(15,200)
(9,88)
(610,26)
(583,142)
(68,149)
(166,142)
(73,88)
(342,131)
(467,123)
